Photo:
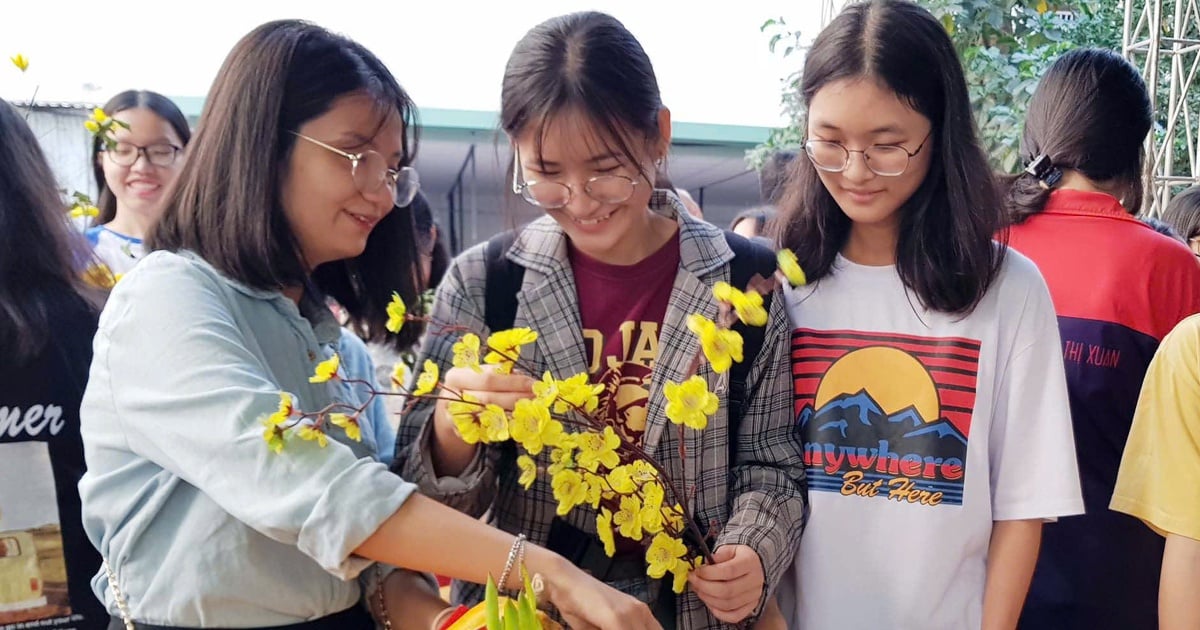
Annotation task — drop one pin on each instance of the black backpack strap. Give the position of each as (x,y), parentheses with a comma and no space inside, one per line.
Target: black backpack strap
(749,258)
(502,282)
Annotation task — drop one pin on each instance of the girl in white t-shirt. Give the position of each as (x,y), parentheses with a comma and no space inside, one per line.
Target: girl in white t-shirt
(926,358)
(134,172)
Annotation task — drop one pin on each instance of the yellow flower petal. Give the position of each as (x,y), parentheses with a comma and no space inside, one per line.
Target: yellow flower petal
(690,403)
(428,379)
(313,434)
(722,347)
(91,126)
(663,555)
(20,62)
(605,532)
(466,352)
(99,116)
(505,347)
(569,490)
(789,265)
(326,370)
(396,312)
(348,424)
(528,471)
(400,374)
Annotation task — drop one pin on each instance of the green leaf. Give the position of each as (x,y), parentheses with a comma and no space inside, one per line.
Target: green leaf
(512,618)
(491,600)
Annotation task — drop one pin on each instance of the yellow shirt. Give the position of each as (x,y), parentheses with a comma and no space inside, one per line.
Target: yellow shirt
(1159,480)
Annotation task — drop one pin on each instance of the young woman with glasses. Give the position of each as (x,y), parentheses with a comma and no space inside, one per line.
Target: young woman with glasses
(925,357)
(295,190)
(134,175)
(610,274)
(1119,287)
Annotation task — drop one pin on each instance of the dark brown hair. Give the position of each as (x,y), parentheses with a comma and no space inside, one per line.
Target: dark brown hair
(162,107)
(43,255)
(1183,213)
(586,62)
(226,204)
(945,253)
(1090,113)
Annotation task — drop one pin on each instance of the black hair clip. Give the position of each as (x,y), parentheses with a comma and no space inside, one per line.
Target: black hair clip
(1047,174)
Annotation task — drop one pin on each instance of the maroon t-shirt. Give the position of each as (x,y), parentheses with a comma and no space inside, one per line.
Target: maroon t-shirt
(622,308)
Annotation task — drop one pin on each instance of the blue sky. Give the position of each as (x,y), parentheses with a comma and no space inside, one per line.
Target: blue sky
(713,64)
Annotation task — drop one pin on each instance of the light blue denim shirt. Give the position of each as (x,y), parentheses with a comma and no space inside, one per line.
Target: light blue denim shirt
(203,525)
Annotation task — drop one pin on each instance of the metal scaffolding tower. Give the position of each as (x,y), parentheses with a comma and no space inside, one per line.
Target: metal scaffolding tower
(1162,37)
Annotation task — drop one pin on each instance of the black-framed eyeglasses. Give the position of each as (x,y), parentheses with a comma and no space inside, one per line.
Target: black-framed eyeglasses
(371,173)
(127,153)
(551,195)
(886,160)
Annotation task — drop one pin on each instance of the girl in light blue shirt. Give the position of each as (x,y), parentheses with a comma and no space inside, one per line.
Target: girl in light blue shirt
(288,196)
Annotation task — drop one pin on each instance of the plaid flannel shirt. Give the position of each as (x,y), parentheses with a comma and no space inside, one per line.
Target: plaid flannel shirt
(760,499)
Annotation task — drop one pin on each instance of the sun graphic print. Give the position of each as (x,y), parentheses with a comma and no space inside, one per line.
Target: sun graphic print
(883,415)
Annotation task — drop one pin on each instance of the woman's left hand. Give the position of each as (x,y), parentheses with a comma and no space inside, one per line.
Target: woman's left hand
(732,586)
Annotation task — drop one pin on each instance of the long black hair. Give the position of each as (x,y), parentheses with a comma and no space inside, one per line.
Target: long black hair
(226,204)
(43,255)
(162,107)
(1090,113)
(945,253)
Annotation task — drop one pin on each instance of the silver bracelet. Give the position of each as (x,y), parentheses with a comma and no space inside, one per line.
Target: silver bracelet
(517,548)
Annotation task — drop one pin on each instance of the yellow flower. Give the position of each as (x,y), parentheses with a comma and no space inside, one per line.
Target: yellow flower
(91,126)
(284,412)
(1042,7)
(562,457)
(569,490)
(99,275)
(605,532)
(596,488)
(690,403)
(620,479)
(395,312)
(99,116)
(274,433)
(505,347)
(721,346)
(629,478)
(79,211)
(598,449)
(790,266)
(546,389)
(576,392)
(428,379)
(651,514)
(494,423)
(533,428)
(528,471)
(326,370)
(465,414)
(747,304)
(313,434)
(348,424)
(629,518)
(273,436)
(664,552)
(673,517)
(466,352)
(20,62)
(681,571)
(399,375)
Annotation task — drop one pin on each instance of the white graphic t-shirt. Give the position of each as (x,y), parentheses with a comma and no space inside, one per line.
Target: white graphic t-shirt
(118,251)
(921,429)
